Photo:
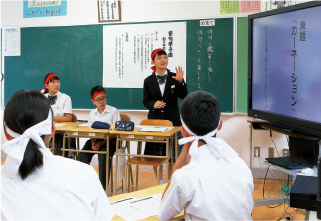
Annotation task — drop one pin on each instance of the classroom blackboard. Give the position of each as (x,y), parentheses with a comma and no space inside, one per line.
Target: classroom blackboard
(75,53)
(242,64)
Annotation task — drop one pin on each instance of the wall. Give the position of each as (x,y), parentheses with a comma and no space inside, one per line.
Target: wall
(235,132)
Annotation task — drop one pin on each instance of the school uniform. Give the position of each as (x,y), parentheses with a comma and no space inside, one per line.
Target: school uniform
(62,189)
(61,105)
(167,92)
(110,115)
(210,188)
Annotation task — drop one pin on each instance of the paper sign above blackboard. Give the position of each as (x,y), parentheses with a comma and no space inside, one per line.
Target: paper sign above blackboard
(44,8)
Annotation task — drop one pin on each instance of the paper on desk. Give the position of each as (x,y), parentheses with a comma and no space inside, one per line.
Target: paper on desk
(124,209)
(136,209)
(85,125)
(59,125)
(154,129)
(149,204)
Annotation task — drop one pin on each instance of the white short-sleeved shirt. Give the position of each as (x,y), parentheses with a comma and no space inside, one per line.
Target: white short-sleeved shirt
(62,106)
(110,115)
(210,188)
(62,189)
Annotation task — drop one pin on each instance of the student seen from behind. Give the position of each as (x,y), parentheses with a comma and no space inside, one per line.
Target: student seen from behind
(104,113)
(210,181)
(37,185)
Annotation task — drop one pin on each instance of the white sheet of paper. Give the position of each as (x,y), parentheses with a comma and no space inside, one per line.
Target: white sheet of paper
(149,204)
(124,210)
(12,42)
(127,50)
(59,125)
(154,129)
(85,125)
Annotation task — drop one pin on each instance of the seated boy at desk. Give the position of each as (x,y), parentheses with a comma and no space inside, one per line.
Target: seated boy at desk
(103,113)
(210,181)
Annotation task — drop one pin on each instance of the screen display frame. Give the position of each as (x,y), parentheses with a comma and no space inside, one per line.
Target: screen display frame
(283,122)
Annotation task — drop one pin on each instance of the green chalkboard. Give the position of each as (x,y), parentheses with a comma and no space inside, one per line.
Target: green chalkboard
(75,53)
(209,55)
(242,67)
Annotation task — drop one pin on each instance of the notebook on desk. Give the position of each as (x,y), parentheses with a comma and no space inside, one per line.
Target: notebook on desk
(303,153)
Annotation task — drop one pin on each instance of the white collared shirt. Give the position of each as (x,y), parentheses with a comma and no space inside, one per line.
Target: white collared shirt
(62,106)
(110,115)
(162,86)
(210,188)
(62,189)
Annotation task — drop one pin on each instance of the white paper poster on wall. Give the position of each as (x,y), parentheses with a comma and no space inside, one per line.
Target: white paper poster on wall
(12,42)
(127,51)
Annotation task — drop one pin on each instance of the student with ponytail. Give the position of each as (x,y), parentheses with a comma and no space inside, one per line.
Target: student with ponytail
(36,185)
(62,109)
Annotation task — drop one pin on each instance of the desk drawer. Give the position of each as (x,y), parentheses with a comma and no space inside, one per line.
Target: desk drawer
(86,134)
(142,137)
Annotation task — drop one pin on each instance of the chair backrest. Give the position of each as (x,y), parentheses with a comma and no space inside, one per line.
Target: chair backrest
(154,122)
(124,117)
(73,118)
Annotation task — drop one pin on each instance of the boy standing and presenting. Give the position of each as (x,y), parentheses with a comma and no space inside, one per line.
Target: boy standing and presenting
(103,113)
(210,181)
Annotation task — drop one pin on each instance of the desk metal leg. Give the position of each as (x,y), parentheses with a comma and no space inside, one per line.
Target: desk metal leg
(251,138)
(176,154)
(139,152)
(116,166)
(167,161)
(63,144)
(107,166)
(53,144)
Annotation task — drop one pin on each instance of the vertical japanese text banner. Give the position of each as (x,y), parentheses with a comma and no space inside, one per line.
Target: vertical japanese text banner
(127,51)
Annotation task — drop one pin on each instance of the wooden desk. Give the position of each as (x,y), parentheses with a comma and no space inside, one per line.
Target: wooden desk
(70,129)
(143,193)
(136,135)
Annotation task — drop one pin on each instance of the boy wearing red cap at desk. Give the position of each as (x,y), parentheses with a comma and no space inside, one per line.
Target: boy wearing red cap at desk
(161,90)
(210,181)
(103,113)
(62,110)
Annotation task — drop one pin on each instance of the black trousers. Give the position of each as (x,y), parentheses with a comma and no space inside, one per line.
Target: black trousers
(87,157)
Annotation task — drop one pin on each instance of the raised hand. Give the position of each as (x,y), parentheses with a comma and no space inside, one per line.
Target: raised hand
(179,74)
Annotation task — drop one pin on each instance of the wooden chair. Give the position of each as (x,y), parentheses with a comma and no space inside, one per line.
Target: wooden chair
(145,160)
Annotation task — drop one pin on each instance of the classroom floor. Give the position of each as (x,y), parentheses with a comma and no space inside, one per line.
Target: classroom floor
(148,179)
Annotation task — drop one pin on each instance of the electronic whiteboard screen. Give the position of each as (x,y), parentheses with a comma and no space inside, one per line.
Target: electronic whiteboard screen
(285,67)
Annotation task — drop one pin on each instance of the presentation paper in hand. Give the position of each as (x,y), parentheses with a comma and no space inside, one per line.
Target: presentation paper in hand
(127,51)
